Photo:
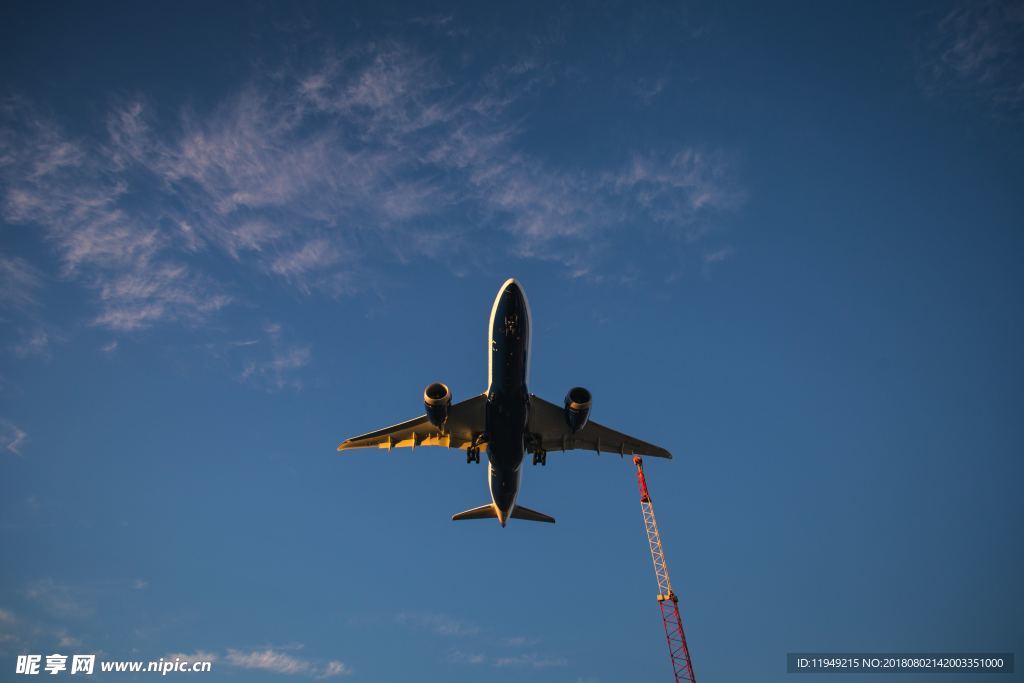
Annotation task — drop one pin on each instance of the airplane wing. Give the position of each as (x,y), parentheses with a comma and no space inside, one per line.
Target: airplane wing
(547,421)
(462,430)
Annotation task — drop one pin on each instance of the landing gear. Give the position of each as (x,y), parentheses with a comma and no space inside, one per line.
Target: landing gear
(473,454)
(540,458)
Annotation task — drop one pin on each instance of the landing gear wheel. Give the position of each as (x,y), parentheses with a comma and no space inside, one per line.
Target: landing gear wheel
(472,455)
(541,458)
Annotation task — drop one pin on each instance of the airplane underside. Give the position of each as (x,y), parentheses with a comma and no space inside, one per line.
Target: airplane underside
(507,418)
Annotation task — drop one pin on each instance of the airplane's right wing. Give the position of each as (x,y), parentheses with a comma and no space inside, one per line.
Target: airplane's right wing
(547,420)
(463,429)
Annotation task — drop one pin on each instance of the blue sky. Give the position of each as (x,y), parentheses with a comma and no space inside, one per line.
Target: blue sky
(783,243)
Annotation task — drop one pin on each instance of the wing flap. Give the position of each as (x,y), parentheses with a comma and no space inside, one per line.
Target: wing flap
(547,421)
(463,430)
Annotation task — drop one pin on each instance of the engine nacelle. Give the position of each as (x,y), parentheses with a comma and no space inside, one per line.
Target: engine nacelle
(437,399)
(577,408)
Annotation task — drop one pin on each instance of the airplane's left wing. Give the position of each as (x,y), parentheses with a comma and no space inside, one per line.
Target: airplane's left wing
(547,421)
(463,429)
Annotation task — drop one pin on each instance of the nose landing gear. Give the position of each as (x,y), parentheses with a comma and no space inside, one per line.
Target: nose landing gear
(473,455)
(540,458)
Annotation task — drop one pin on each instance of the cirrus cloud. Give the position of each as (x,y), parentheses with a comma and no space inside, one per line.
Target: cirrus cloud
(317,175)
(284,663)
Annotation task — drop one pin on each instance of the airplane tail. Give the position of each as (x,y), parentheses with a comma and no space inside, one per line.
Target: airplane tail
(489,512)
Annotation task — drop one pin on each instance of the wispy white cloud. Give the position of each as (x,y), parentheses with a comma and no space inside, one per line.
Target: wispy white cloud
(460,657)
(717,255)
(448,626)
(531,660)
(334,668)
(60,599)
(104,242)
(197,656)
(17,632)
(518,641)
(278,370)
(438,624)
(267,660)
(19,283)
(446,24)
(140,297)
(648,89)
(66,640)
(12,437)
(284,663)
(315,255)
(677,187)
(33,343)
(978,48)
(373,152)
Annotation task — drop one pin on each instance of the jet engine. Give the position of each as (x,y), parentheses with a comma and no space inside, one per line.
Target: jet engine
(437,399)
(577,408)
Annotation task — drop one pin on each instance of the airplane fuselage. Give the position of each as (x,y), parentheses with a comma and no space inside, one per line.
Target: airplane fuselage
(508,400)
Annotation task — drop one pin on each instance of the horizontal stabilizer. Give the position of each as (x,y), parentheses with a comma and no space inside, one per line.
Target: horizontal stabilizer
(490,512)
(482,512)
(519,512)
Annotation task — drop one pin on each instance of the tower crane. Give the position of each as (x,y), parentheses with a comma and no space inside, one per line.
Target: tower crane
(682,667)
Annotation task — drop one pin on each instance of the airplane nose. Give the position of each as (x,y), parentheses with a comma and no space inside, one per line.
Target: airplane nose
(514,298)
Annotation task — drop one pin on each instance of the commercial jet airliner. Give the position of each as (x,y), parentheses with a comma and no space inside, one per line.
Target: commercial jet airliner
(507,419)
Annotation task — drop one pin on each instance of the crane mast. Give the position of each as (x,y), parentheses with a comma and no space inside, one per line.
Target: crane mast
(682,667)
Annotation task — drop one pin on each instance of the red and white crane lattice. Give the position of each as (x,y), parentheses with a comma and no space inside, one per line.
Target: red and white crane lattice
(667,600)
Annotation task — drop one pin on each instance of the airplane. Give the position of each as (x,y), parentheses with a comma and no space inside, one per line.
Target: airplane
(506,419)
